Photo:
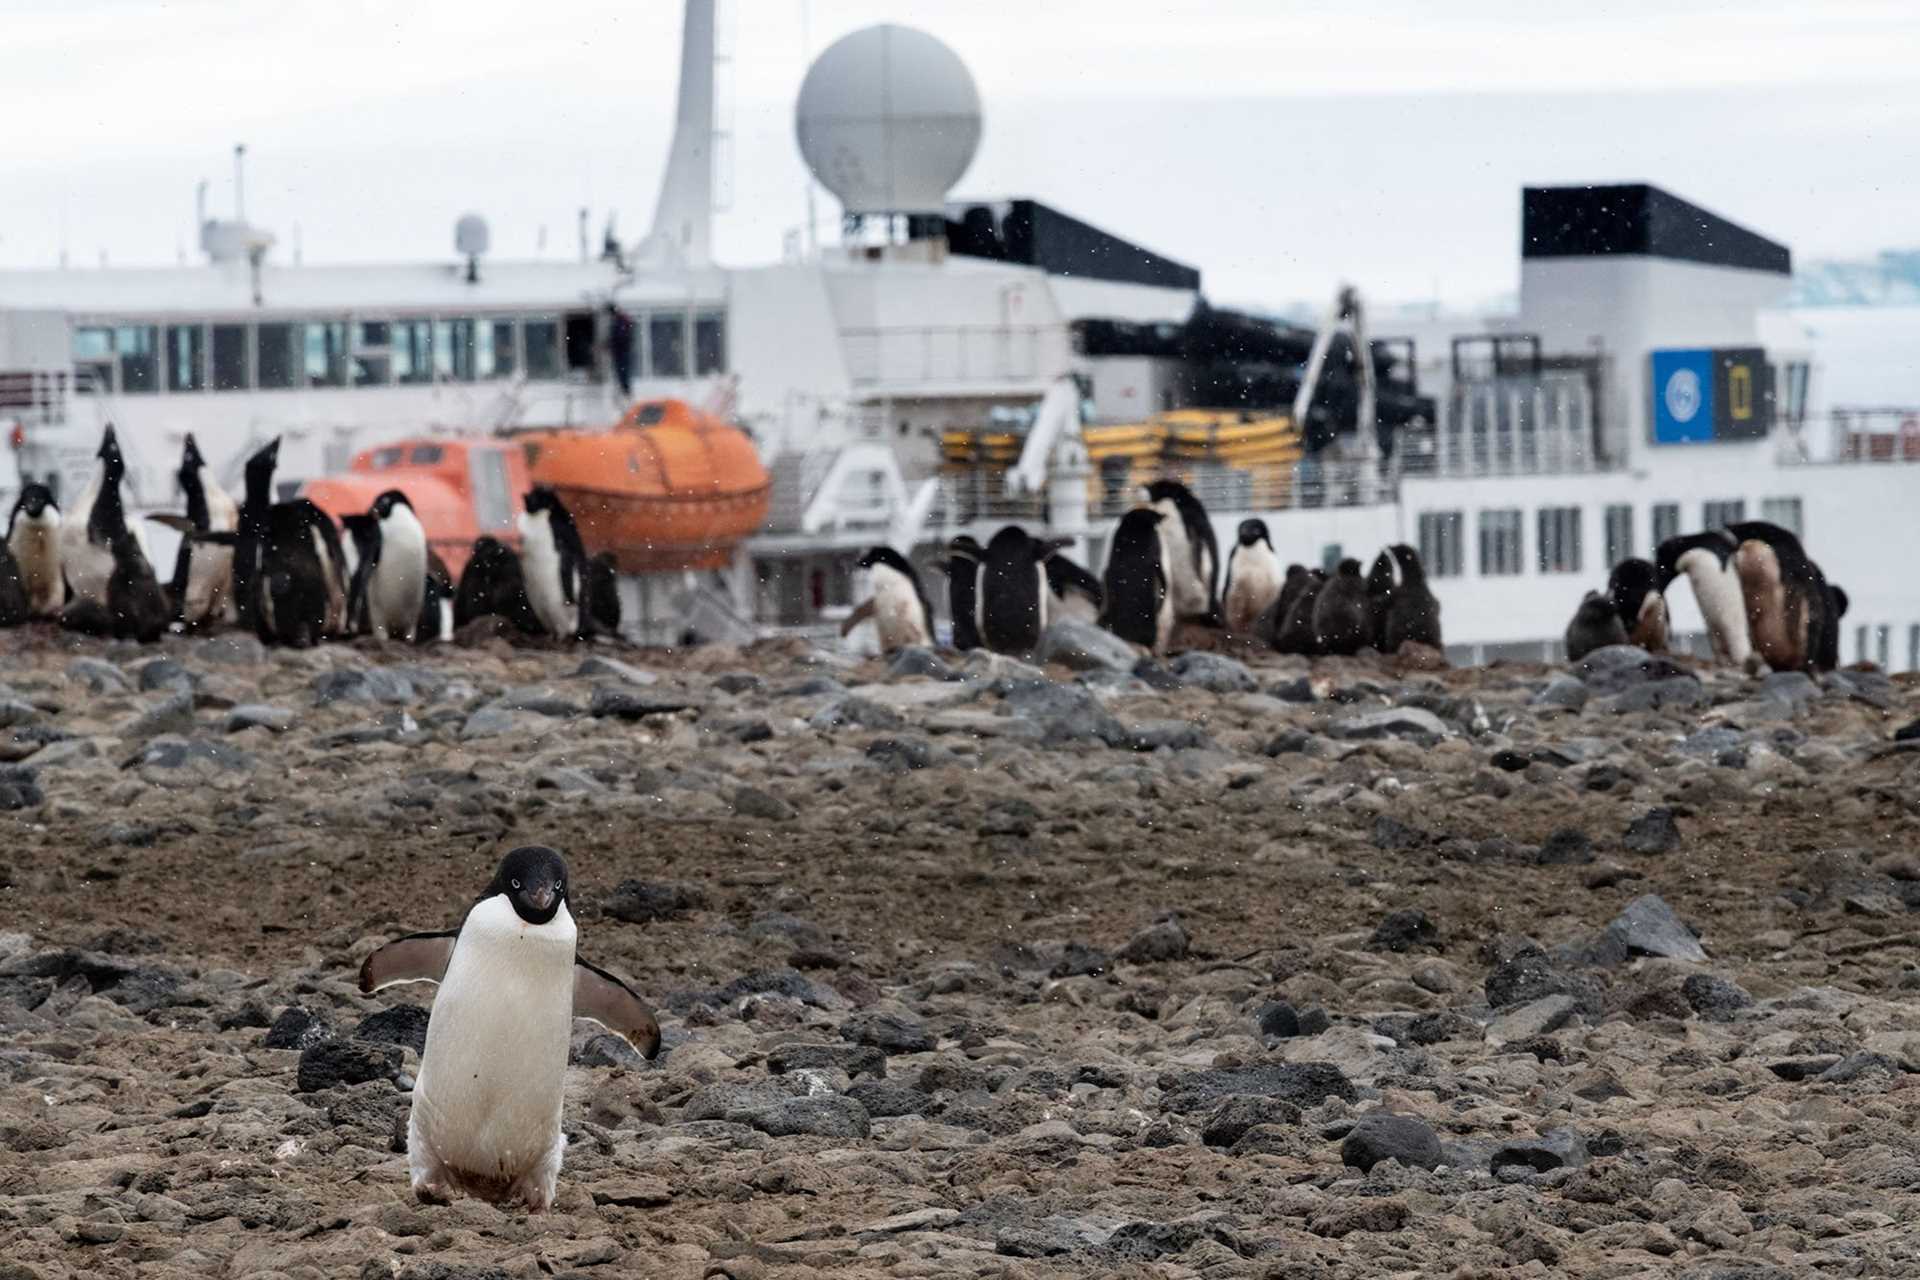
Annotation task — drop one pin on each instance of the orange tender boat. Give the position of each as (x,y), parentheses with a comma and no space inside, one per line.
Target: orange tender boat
(460,489)
(667,487)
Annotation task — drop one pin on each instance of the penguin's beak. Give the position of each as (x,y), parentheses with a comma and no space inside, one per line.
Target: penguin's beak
(540,896)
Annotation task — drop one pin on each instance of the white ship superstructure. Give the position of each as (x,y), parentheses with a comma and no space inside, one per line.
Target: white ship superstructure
(1641,388)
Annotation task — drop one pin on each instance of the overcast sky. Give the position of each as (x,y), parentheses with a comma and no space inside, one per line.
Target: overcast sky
(1281,147)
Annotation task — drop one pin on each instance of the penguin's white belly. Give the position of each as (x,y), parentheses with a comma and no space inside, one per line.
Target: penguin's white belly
(1188,591)
(1722,604)
(209,578)
(897,616)
(398,586)
(1254,584)
(36,546)
(492,1080)
(87,564)
(1074,606)
(541,567)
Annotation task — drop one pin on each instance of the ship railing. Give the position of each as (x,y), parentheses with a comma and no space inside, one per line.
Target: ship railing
(954,353)
(1869,435)
(1293,486)
(1531,424)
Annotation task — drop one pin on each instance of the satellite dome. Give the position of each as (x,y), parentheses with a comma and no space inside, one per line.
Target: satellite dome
(888,120)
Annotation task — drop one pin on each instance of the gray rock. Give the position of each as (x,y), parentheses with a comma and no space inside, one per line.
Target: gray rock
(259,715)
(20,794)
(335,1062)
(645,901)
(1168,735)
(1523,977)
(539,701)
(490,721)
(297,1028)
(232,649)
(567,781)
(1233,1115)
(402,1024)
(1390,722)
(1536,1018)
(628,704)
(840,1117)
(608,1051)
(164,673)
(735,1103)
(1648,926)
(1403,931)
(1279,1020)
(373,685)
(599,665)
(1556,1149)
(1679,692)
(1563,693)
(171,752)
(172,714)
(902,754)
(1713,998)
(1082,646)
(854,1059)
(1213,671)
(752,802)
(1653,832)
(855,712)
(1381,1137)
(98,675)
(1159,942)
(1615,667)
(1567,847)
(1288,742)
(918,660)
(1305,1084)
(1794,688)
(891,1033)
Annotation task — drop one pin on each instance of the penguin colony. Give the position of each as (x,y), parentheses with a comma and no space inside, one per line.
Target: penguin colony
(1766,604)
(283,569)
(1163,569)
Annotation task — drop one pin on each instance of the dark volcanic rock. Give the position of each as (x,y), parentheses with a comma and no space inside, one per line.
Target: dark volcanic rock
(886,1098)
(890,1033)
(1555,1149)
(1652,832)
(403,1024)
(1389,1137)
(1233,1115)
(297,1028)
(1078,960)
(1524,977)
(1648,926)
(1567,847)
(854,1059)
(333,1062)
(628,703)
(1214,671)
(1402,931)
(752,802)
(1392,834)
(1161,941)
(644,901)
(841,1117)
(1279,1020)
(1715,999)
(1304,1084)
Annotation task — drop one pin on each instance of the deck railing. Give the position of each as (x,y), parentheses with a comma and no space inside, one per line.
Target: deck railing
(954,353)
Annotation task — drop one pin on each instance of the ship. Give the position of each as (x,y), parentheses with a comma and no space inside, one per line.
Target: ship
(955,362)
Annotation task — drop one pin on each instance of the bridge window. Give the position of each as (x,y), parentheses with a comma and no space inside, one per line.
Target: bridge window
(1559,545)
(93,358)
(412,351)
(1666,521)
(274,353)
(501,362)
(138,346)
(1500,543)
(186,357)
(667,345)
(1619,533)
(372,358)
(1726,511)
(326,353)
(1440,543)
(230,357)
(579,341)
(1785,512)
(709,344)
(543,347)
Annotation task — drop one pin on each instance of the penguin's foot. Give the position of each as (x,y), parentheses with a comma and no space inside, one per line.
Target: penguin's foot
(430,1192)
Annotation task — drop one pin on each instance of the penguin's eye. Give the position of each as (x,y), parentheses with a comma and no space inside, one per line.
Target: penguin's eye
(516,884)
(560,888)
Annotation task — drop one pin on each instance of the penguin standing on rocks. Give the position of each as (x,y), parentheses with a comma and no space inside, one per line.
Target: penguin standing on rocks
(1188,553)
(487,1104)
(1634,588)
(1706,560)
(552,560)
(493,584)
(14,609)
(1596,624)
(1295,633)
(964,554)
(898,607)
(1013,593)
(1139,604)
(1343,612)
(86,544)
(390,581)
(436,602)
(1406,609)
(33,536)
(1253,578)
(202,586)
(291,577)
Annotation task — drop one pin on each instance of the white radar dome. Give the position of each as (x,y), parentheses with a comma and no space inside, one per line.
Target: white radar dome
(888,120)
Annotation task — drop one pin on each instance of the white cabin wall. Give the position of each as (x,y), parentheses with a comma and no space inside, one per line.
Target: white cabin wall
(784,344)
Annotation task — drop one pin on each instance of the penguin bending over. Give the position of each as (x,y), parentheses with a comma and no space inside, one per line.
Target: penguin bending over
(1139,603)
(86,544)
(964,555)
(33,536)
(390,581)
(492,583)
(1343,612)
(898,607)
(1253,578)
(552,559)
(436,603)
(485,1117)
(1074,592)
(1596,624)
(1295,633)
(1634,588)
(202,586)
(1707,561)
(1188,552)
(1790,613)
(1406,608)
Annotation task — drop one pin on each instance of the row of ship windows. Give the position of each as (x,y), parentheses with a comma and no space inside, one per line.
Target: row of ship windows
(143,359)
(1875,644)
(1557,540)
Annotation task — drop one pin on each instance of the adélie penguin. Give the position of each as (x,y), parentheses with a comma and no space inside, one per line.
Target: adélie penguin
(553,560)
(33,536)
(390,583)
(485,1119)
(898,607)
(436,602)
(86,542)
(202,586)
(1253,578)
(1189,556)
(13,592)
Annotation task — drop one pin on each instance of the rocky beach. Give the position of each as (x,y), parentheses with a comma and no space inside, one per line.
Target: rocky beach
(1232,965)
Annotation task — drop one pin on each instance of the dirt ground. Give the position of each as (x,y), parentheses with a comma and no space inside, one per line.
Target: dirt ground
(967,967)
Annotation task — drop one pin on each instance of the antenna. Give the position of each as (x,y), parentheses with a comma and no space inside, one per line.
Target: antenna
(239,182)
(471,238)
(806,53)
(583,233)
(722,151)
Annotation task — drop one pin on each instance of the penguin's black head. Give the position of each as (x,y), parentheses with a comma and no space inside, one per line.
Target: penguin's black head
(109,446)
(1349,568)
(534,879)
(886,556)
(384,504)
(35,499)
(190,459)
(540,498)
(1252,531)
(260,468)
(965,547)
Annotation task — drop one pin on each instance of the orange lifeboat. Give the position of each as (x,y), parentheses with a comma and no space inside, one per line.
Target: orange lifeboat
(667,487)
(460,489)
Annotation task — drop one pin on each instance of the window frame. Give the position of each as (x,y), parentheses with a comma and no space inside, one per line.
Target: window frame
(1507,522)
